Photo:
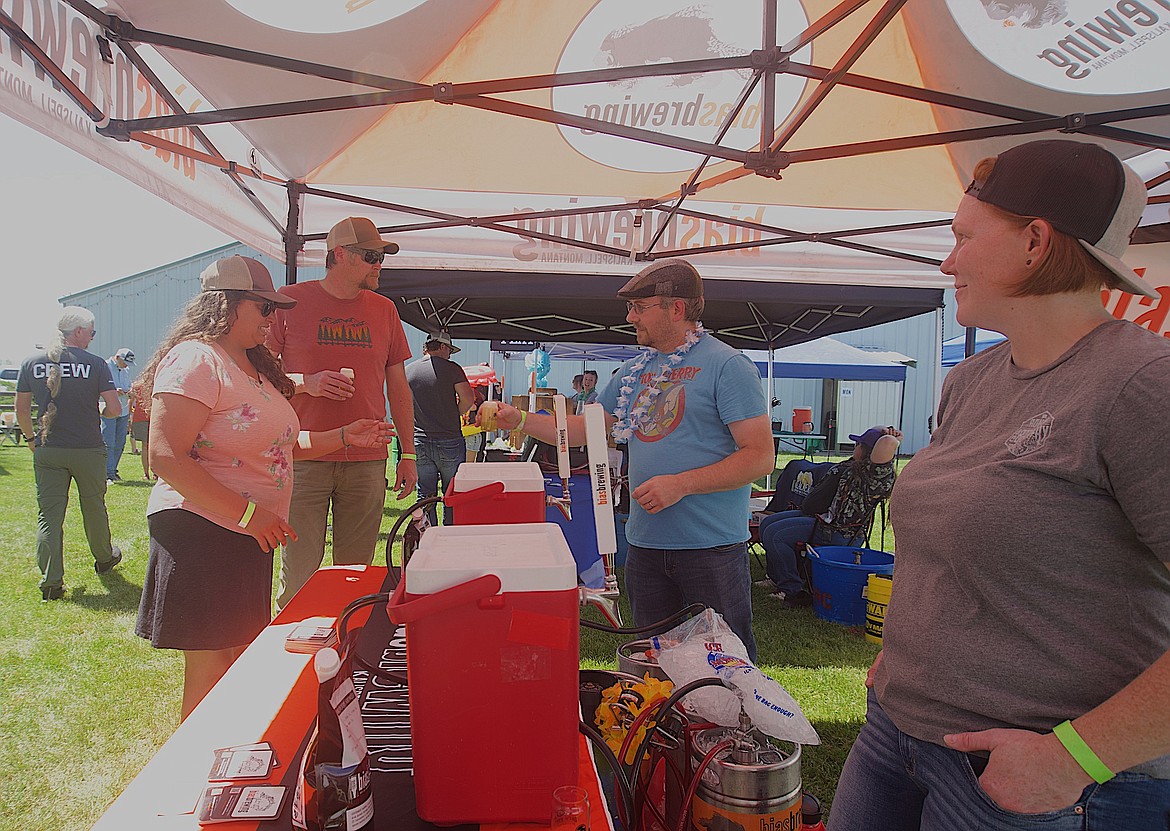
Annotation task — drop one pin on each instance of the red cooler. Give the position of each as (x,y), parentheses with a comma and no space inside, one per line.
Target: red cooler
(496,493)
(492,652)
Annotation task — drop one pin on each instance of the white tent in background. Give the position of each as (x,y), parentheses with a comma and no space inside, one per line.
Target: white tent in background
(782,144)
(954,349)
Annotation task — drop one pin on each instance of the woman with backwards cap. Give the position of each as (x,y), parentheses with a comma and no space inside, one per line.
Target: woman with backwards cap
(222,439)
(1024,676)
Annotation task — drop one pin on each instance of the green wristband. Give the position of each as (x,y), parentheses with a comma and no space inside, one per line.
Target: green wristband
(523,418)
(1082,753)
(412,456)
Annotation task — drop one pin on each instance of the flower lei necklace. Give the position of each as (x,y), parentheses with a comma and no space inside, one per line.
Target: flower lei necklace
(630,420)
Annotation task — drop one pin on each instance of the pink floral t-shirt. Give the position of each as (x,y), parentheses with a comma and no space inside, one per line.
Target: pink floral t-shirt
(246,443)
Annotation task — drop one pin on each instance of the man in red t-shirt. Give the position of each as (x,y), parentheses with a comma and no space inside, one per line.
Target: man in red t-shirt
(344,347)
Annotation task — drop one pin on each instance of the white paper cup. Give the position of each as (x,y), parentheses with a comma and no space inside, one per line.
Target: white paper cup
(347,372)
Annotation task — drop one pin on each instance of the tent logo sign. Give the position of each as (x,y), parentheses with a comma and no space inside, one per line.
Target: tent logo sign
(1083,46)
(322,17)
(619,33)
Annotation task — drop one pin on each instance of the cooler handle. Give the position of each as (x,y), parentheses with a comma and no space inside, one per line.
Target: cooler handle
(409,611)
(489,491)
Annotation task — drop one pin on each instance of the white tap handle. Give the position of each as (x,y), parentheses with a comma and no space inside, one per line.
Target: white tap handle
(562,419)
(597,447)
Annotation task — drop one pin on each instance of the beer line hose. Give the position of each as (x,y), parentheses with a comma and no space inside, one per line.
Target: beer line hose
(625,790)
(662,709)
(660,626)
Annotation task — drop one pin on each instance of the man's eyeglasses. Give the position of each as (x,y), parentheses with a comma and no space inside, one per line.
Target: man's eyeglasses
(369,254)
(267,307)
(641,308)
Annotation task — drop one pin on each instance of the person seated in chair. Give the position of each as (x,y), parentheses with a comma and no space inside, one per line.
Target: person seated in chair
(844,501)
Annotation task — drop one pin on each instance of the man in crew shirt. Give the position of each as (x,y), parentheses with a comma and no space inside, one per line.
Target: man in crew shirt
(343,346)
(66,380)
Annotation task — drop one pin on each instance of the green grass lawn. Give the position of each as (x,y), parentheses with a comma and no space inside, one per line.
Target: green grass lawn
(84,703)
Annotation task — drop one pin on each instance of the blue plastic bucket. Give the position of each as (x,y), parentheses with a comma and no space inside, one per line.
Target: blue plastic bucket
(839,576)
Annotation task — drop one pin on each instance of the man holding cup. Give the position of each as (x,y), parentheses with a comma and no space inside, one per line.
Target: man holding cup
(693,412)
(344,347)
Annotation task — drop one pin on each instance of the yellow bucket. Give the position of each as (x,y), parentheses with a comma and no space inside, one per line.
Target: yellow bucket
(877,600)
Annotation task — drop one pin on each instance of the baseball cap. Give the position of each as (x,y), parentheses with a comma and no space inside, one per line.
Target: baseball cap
(126,354)
(1082,189)
(443,338)
(664,278)
(243,274)
(358,232)
(869,438)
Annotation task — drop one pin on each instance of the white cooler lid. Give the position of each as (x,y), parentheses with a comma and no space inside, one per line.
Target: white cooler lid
(518,477)
(527,557)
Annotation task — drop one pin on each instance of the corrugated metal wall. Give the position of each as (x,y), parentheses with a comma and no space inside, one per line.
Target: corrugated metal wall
(917,338)
(138,310)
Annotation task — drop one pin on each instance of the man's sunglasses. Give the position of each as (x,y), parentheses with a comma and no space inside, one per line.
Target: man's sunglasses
(267,307)
(369,255)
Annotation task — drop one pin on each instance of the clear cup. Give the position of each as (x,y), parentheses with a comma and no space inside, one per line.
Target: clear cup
(570,810)
(488,413)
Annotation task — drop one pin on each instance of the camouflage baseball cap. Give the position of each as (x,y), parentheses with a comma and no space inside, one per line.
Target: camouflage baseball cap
(665,278)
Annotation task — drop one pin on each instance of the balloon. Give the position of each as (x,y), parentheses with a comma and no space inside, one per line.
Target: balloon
(539,362)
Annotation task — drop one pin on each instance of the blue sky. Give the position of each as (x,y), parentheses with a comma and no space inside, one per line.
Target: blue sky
(63,228)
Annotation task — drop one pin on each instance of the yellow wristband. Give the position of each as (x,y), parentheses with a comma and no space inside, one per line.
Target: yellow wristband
(523,418)
(1084,756)
(251,509)
(412,456)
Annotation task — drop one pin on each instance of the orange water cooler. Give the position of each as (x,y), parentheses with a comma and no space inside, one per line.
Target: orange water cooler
(802,420)
(492,644)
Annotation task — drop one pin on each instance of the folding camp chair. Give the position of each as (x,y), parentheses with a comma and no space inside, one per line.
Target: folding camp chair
(9,428)
(796,481)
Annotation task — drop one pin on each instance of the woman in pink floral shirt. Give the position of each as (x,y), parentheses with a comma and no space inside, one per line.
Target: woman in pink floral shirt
(223,438)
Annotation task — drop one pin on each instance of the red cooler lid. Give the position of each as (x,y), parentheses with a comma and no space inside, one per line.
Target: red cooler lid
(527,557)
(518,477)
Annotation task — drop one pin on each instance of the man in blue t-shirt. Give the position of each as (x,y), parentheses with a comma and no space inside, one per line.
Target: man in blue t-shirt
(114,429)
(694,414)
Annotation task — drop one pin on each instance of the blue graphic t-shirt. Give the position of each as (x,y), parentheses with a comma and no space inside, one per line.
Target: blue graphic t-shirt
(686,428)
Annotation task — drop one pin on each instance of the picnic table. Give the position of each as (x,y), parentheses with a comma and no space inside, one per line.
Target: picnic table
(806,443)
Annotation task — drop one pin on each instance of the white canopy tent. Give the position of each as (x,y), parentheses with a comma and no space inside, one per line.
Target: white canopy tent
(776,142)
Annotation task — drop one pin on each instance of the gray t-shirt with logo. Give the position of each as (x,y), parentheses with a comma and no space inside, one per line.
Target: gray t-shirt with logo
(1033,536)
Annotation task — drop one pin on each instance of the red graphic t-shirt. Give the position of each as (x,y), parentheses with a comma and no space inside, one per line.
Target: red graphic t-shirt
(324,332)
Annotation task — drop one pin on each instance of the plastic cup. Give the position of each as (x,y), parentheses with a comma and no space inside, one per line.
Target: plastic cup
(488,413)
(347,372)
(570,809)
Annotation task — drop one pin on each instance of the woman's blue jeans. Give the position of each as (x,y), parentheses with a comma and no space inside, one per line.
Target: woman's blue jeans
(892,782)
(780,534)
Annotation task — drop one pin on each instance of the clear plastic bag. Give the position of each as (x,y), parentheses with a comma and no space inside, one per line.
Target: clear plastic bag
(705,647)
